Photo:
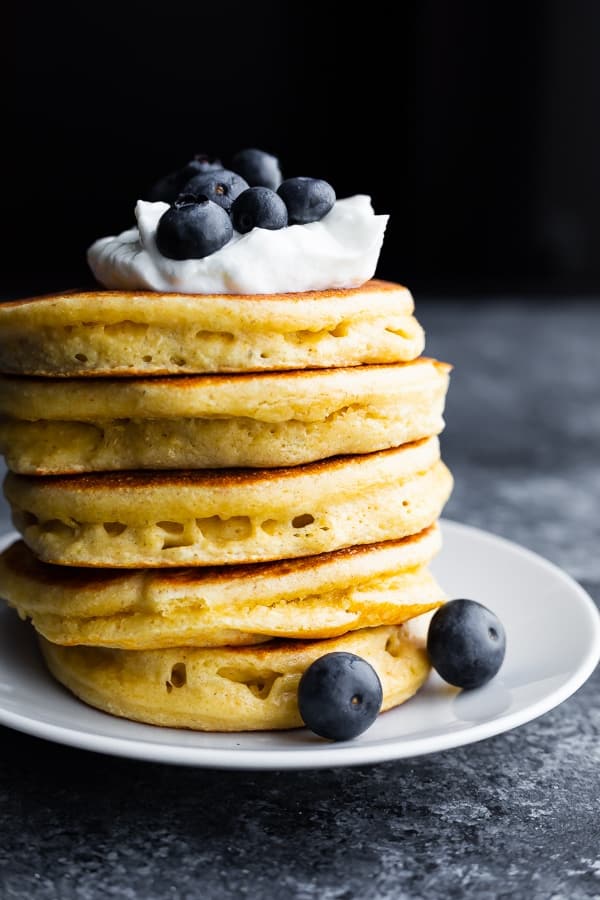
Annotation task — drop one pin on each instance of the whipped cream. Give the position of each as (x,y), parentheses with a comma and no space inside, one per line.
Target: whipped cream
(340,251)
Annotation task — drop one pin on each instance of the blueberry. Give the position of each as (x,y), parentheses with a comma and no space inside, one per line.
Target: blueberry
(194,227)
(260,169)
(466,643)
(170,186)
(221,186)
(339,696)
(204,163)
(307,199)
(258,207)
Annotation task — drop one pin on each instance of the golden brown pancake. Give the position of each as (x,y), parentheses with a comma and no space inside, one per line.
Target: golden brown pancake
(151,333)
(231,688)
(50,426)
(315,597)
(147,519)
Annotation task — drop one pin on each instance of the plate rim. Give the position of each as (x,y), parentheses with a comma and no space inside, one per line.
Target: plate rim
(341,754)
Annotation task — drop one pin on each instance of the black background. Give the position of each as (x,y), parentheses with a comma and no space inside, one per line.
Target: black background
(475,124)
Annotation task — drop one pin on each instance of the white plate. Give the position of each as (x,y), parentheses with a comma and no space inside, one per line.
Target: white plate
(553,645)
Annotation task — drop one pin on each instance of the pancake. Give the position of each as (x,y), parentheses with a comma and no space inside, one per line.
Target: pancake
(316,597)
(149,333)
(52,427)
(230,516)
(230,688)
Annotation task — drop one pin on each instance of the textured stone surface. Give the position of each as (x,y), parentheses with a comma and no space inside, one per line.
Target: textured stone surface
(514,816)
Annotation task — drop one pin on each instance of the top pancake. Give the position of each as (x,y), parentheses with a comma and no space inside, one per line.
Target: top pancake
(116,333)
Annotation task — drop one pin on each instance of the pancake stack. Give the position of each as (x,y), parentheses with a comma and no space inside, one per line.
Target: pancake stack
(214,491)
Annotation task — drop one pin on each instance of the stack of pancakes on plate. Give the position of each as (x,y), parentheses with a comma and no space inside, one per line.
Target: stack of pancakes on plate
(214,491)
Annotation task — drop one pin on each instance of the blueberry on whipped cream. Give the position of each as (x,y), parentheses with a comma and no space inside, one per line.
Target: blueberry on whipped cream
(194,227)
(221,186)
(258,207)
(168,188)
(307,199)
(260,169)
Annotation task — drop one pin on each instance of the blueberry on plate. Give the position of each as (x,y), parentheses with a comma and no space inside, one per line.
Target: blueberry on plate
(307,199)
(221,186)
(466,643)
(260,169)
(258,207)
(194,227)
(339,696)
(168,188)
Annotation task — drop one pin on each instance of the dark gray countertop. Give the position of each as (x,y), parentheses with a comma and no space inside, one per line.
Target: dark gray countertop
(515,816)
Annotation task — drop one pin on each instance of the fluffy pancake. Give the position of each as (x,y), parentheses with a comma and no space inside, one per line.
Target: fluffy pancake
(210,421)
(230,516)
(230,688)
(149,333)
(316,597)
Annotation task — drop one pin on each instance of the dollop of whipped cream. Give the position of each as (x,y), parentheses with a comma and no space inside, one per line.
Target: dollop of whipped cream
(339,251)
